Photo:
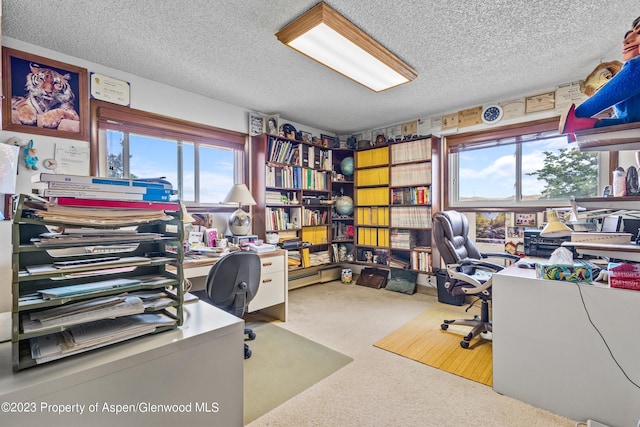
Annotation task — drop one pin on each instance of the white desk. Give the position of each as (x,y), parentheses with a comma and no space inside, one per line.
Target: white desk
(546,353)
(200,363)
(272,297)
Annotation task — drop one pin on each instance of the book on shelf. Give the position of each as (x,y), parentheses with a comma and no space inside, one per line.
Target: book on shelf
(107,195)
(121,204)
(149,183)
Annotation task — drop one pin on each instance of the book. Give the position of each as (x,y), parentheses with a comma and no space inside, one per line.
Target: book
(124,204)
(150,183)
(67,185)
(109,195)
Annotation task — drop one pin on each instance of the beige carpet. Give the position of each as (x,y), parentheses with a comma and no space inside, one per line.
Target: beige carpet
(282,365)
(422,340)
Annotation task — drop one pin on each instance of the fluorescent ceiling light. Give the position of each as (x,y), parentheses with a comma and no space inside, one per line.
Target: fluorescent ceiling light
(325,36)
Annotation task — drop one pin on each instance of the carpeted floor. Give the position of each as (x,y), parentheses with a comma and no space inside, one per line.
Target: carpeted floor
(282,365)
(422,340)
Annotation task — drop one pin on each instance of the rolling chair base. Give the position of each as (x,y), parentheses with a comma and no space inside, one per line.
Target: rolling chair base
(251,335)
(481,325)
(482,329)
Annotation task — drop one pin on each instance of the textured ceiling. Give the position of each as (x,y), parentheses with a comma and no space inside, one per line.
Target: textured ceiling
(466,52)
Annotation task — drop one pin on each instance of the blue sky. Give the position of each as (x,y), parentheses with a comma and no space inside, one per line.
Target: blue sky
(152,157)
(490,172)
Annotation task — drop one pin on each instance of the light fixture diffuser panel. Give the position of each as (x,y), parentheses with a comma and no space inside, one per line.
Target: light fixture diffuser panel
(327,37)
(335,51)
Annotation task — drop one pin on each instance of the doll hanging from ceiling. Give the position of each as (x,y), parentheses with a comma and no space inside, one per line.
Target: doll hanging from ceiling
(621,92)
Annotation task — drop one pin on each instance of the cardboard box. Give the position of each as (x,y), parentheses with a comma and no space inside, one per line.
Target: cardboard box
(567,273)
(624,275)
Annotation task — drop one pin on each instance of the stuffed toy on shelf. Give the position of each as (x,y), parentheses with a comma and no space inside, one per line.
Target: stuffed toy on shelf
(621,92)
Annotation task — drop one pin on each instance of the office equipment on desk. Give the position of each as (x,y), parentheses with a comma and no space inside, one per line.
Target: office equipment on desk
(232,283)
(468,274)
(536,245)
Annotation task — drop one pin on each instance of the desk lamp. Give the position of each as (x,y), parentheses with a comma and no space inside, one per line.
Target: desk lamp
(554,227)
(240,221)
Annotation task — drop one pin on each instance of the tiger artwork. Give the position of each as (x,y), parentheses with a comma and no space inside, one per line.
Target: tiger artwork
(49,100)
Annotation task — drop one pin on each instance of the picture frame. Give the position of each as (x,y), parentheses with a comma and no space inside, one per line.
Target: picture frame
(272,124)
(526,219)
(306,137)
(66,116)
(256,124)
(329,141)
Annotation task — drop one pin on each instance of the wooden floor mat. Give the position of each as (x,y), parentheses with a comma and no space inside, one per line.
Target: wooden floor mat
(422,340)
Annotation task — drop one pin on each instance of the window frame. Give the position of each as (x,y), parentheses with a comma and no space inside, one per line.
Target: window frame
(104,115)
(520,133)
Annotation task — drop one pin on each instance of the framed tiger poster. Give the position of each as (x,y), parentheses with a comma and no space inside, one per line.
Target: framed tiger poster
(44,96)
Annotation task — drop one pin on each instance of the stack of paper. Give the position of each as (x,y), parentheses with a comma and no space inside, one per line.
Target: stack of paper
(86,311)
(88,336)
(265,247)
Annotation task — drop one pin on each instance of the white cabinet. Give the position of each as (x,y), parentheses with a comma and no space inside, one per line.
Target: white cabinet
(272,293)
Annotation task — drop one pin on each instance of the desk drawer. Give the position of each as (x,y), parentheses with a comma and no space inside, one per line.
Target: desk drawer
(271,290)
(271,264)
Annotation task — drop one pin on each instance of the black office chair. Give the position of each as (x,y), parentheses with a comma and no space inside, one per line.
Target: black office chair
(468,274)
(232,283)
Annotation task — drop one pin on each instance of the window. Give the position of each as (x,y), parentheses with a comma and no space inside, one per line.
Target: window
(201,162)
(525,165)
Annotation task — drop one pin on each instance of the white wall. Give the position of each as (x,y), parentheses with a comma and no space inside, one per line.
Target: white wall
(146,95)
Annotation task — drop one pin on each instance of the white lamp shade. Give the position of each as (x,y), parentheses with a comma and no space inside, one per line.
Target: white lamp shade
(240,194)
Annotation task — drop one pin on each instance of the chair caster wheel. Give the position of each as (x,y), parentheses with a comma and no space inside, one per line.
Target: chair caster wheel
(444,326)
(251,335)
(247,352)
(464,344)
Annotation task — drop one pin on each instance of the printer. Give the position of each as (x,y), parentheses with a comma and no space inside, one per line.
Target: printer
(539,246)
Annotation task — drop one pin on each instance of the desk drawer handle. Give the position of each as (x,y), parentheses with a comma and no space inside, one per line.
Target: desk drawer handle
(267,264)
(267,280)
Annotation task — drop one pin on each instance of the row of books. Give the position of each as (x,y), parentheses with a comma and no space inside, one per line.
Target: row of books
(411,174)
(411,217)
(411,196)
(373,215)
(316,235)
(291,153)
(373,236)
(406,239)
(421,260)
(296,177)
(411,151)
(314,217)
(373,176)
(373,196)
(280,218)
(373,157)
(402,239)
(99,192)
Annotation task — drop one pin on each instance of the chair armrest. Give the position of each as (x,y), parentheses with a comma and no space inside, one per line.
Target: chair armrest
(478,287)
(504,255)
(485,265)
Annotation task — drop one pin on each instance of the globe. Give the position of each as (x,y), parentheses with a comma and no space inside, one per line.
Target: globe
(346,166)
(344,205)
